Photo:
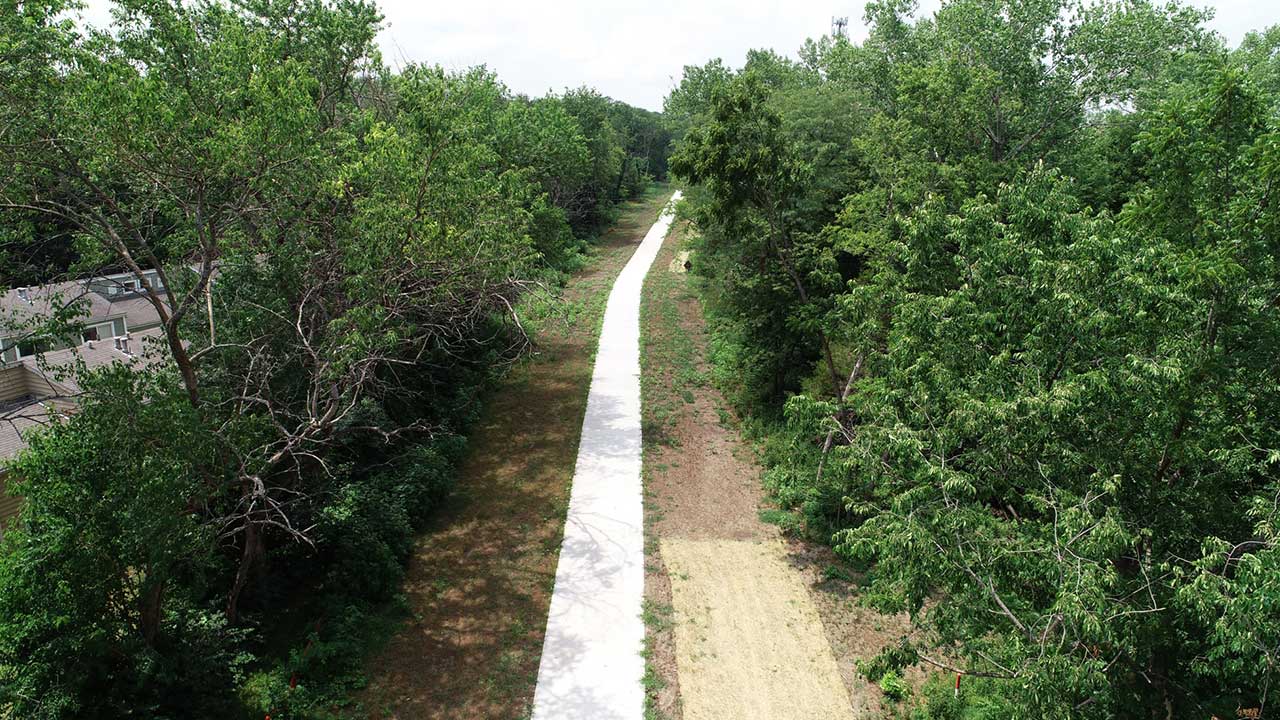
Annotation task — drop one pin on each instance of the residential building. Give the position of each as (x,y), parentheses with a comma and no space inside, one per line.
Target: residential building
(36,382)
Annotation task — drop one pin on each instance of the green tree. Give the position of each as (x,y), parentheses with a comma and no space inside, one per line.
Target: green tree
(1047,379)
(101,586)
(755,185)
(340,249)
(1036,389)
(691,99)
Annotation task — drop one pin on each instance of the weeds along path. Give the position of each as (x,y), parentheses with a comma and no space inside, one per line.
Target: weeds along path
(743,621)
(479,583)
(591,663)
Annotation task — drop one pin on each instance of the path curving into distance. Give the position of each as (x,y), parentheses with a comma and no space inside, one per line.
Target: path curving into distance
(591,667)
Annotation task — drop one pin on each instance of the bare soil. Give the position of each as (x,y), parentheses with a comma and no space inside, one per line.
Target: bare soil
(749,642)
(758,625)
(479,583)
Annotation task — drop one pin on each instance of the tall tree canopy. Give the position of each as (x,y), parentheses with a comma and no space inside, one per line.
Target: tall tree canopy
(339,251)
(1001,283)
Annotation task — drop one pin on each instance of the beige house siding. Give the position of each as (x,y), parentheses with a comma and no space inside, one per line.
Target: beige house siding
(12,383)
(20,380)
(8,504)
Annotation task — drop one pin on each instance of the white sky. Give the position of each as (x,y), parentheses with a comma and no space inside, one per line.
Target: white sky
(635,50)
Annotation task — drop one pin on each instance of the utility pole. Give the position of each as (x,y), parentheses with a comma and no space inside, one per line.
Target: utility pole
(840,28)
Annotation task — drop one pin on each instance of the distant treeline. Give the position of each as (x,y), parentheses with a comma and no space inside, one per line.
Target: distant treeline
(997,288)
(342,249)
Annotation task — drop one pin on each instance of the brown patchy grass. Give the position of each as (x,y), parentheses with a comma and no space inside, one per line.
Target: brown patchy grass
(703,484)
(479,583)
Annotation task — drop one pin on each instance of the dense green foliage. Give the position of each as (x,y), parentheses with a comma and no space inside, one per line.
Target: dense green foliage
(343,249)
(999,287)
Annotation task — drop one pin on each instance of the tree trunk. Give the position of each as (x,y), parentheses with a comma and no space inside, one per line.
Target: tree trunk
(183,360)
(152,602)
(831,434)
(249,559)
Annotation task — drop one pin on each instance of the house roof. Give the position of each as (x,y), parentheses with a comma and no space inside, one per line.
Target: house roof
(51,381)
(58,366)
(15,424)
(42,300)
(137,310)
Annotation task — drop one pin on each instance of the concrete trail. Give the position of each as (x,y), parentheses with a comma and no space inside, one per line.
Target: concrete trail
(591,667)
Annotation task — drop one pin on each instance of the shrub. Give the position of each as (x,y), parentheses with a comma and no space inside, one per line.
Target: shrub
(894,686)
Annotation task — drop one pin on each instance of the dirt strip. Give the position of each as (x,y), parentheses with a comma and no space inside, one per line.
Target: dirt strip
(749,642)
(743,622)
(479,582)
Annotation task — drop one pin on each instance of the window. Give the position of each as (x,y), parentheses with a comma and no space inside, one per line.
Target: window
(123,285)
(15,403)
(100,331)
(33,347)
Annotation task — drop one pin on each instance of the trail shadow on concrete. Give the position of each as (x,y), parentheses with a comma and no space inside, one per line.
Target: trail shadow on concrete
(594,638)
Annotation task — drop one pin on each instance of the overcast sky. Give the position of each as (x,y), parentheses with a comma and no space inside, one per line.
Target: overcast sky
(634,51)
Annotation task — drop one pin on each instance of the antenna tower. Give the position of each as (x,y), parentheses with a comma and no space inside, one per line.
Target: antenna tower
(840,27)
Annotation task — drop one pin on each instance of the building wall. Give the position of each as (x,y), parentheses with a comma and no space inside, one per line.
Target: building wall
(13,383)
(8,504)
(19,380)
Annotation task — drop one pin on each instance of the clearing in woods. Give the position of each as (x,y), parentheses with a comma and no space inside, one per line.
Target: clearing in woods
(742,621)
(479,582)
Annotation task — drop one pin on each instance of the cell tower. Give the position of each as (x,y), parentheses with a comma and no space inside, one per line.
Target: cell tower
(840,27)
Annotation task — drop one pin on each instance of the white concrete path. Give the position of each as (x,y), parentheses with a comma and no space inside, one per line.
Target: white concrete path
(591,665)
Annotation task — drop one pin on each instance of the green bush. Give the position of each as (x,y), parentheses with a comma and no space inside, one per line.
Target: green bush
(103,609)
(940,700)
(978,699)
(370,523)
(894,686)
(318,675)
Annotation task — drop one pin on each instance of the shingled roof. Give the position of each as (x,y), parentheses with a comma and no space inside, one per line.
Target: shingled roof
(35,388)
